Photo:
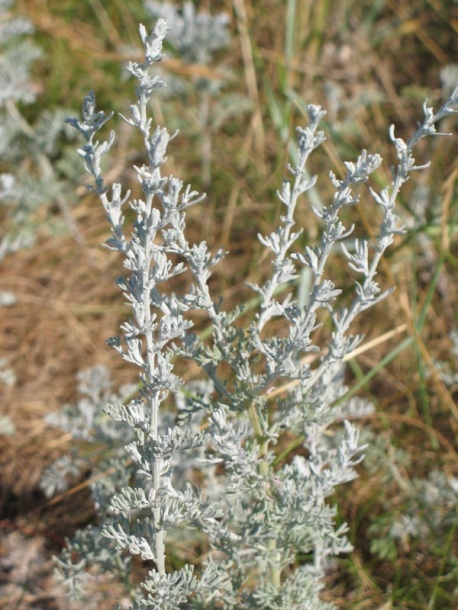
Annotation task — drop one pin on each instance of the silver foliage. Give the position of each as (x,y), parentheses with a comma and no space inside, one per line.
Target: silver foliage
(269,528)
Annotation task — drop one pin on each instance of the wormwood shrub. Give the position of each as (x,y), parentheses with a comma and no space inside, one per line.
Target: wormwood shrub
(36,169)
(205,104)
(241,468)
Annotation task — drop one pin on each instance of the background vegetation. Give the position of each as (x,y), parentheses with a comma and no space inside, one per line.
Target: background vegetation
(370,63)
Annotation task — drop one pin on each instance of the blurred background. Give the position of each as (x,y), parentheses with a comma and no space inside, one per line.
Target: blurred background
(239,75)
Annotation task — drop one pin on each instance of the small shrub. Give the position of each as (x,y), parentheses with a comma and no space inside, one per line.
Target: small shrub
(241,465)
(36,170)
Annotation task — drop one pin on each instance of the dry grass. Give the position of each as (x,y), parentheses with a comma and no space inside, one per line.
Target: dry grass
(67,303)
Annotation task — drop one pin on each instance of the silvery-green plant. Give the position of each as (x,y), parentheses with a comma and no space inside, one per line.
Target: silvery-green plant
(35,168)
(195,37)
(90,427)
(216,470)
(415,511)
